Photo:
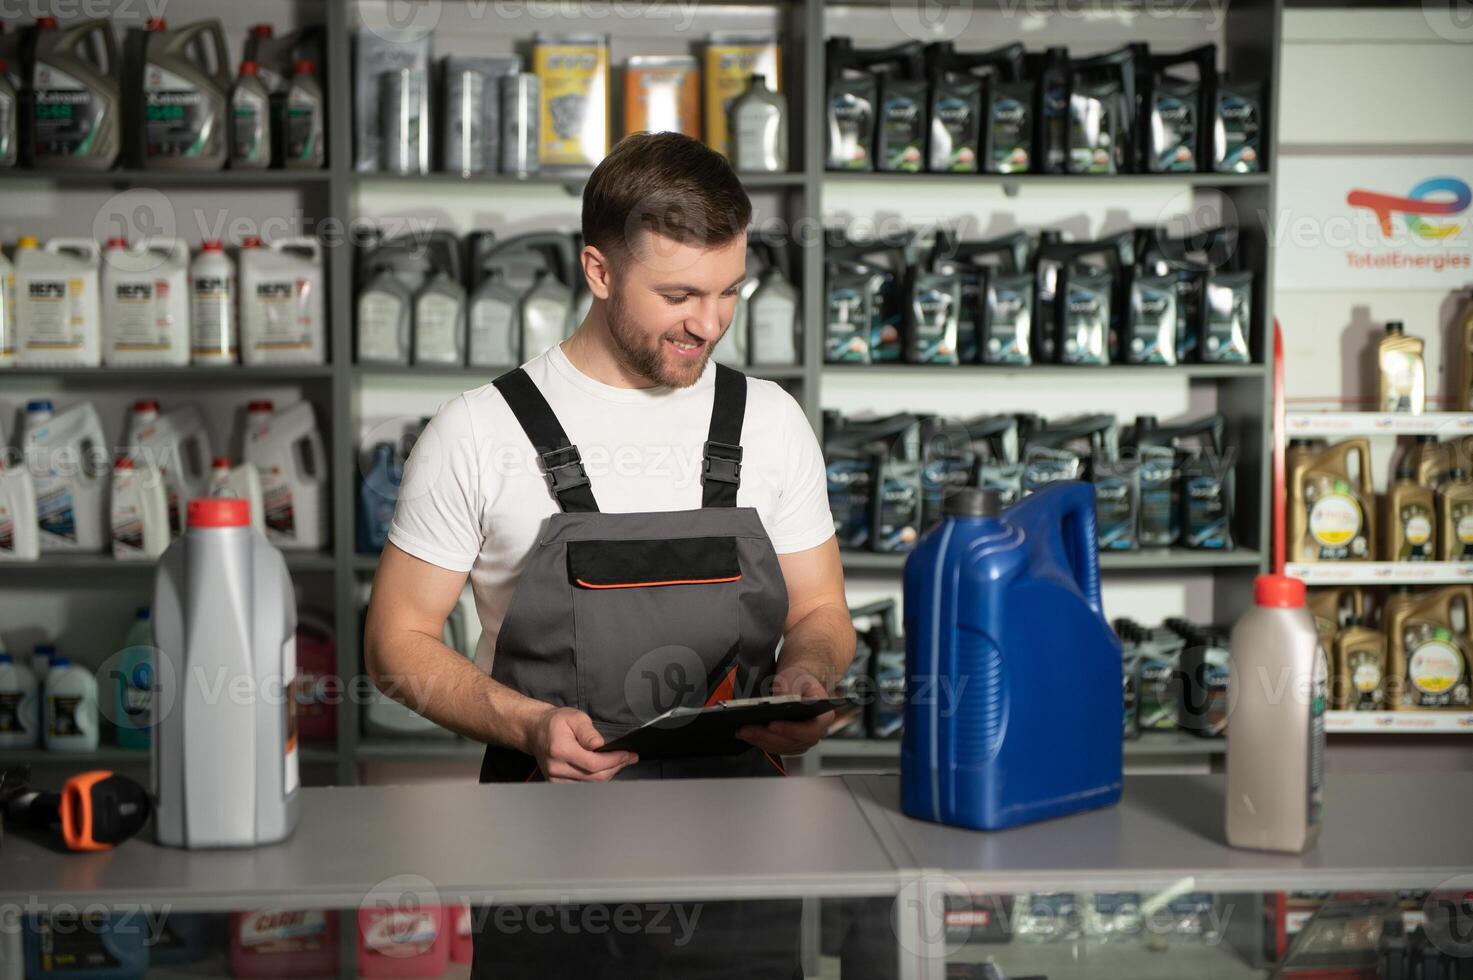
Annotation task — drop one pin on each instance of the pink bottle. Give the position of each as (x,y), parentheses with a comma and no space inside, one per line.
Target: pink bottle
(403,942)
(269,943)
(317,683)
(462,949)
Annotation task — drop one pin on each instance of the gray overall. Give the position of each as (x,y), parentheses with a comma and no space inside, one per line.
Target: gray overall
(625,616)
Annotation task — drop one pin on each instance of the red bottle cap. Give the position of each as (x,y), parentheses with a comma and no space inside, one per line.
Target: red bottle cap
(111,242)
(304,66)
(156,24)
(211,246)
(145,405)
(250,241)
(123,463)
(220,462)
(46,23)
(1279,591)
(260,406)
(262,30)
(219,512)
(249,68)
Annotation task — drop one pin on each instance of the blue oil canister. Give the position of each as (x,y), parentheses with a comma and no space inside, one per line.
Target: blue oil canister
(86,946)
(1012,710)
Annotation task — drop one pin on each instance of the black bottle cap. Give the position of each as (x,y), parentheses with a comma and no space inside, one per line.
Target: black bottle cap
(1457,474)
(974,502)
(1394,327)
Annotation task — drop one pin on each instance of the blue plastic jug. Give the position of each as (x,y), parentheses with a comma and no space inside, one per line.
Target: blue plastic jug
(1013,675)
(378,494)
(86,946)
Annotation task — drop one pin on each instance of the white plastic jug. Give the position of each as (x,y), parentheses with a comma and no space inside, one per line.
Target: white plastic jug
(145,297)
(70,708)
(20,718)
(177,444)
(225,768)
(59,319)
(215,337)
(244,482)
(287,449)
(282,315)
(19,528)
(68,461)
(140,511)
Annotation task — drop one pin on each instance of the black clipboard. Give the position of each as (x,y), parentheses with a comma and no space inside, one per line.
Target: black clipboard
(683,732)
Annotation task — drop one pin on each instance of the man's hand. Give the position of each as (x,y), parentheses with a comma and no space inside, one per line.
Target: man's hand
(791,737)
(563,742)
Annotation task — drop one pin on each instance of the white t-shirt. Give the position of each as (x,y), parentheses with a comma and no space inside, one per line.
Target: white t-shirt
(474,497)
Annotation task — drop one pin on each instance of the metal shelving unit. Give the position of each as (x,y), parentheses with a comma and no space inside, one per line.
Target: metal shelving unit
(1250,39)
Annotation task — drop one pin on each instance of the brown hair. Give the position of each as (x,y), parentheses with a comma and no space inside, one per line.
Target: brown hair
(665,183)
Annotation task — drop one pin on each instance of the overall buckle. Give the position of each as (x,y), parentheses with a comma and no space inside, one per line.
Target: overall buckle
(565,467)
(723,463)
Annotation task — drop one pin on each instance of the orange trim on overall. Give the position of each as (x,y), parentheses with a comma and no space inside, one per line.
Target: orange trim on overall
(725,691)
(76,811)
(673,581)
(775,764)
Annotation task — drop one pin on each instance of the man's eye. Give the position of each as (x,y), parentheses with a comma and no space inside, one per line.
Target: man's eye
(676,299)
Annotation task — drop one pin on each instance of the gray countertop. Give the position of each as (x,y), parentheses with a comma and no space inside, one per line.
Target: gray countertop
(709,839)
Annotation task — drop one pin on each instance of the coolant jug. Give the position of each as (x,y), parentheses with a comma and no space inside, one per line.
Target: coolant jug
(225,771)
(1013,675)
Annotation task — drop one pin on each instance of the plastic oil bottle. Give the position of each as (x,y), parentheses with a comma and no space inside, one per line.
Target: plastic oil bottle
(20,719)
(133,684)
(70,708)
(58,316)
(282,315)
(1278,687)
(1331,517)
(1427,640)
(773,314)
(383,318)
(216,337)
(286,448)
(140,511)
(378,494)
(177,444)
(1403,371)
(1333,607)
(67,457)
(1455,517)
(145,296)
(186,96)
(439,321)
(250,120)
(223,605)
(305,139)
(76,98)
(244,482)
(19,525)
(1411,518)
(1360,668)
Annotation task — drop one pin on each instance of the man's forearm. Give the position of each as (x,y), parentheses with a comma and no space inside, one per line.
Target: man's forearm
(821,643)
(424,674)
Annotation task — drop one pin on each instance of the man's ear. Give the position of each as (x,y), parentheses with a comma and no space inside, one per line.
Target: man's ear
(597,271)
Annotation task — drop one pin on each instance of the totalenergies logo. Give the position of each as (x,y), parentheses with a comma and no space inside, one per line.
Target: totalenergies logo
(1436,196)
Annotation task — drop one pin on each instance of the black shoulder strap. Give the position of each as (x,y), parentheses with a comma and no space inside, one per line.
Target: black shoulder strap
(721,470)
(560,459)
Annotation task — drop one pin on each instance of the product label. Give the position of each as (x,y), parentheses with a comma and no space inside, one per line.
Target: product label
(379,318)
(283,932)
(62,714)
(11,706)
(934,337)
(1008,324)
(1208,512)
(212,313)
(1336,524)
(1091,135)
(850,118)
(1044,466)
(55,510)
(400,934)
(1416,533)
(276,500)
(139,318)
(846,337)
(1173,134)
(1436,675)
(900,507)
(954,131)
(1009,133)
(291,766)
(248,114)
(1239,121)
(849,490)
(7,531)
(67,115)
(1086,325)
(1319,692)
(1229,309)
(303,125)
(179,118)
(574,108)
(1462,515)
(55,314)
(1115,512)
(1152,323)
(1160,498)
(281,315)
(1364,667)
(137,691)
(436,329)
(759,130)
(127,520)
(901,133)
(1158,693)
(71,943)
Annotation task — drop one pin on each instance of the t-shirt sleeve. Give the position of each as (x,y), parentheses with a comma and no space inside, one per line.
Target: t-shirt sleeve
(803,519)
(438,517)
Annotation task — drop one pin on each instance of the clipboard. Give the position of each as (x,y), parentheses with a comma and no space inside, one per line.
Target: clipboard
(683,732)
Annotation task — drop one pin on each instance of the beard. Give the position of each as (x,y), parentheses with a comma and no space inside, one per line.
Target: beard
(646,356)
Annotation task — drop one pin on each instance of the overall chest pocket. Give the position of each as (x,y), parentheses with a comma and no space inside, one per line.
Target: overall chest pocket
(656,624)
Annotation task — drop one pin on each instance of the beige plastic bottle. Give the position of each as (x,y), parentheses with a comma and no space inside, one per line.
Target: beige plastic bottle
(1455,517)
(1403,371)
(1331,510)
(1409,524)
(1427,660)
(1360,669)
(1278,682)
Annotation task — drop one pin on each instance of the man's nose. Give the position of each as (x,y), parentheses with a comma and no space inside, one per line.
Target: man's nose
(706,323)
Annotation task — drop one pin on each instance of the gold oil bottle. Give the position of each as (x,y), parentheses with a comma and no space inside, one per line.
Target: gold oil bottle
(1409,522)
(1360,668)
(1331,511)
(1403,371)
(1455,517)
(1427,650)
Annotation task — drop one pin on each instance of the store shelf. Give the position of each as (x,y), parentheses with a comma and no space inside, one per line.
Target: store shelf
(892,180)
(51,565)
(488,373)
(365,563)
(1149,743)
(1305,424)
(1400,722)
(116,755)
(407,749)
(170,178)
(1057,372)
(1148,560)
(192,375)
(572,183)
(1381,572)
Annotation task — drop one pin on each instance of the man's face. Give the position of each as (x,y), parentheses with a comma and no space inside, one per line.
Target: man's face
(669,303)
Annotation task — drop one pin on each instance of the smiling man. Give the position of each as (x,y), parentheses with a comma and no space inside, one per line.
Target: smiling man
(642,528)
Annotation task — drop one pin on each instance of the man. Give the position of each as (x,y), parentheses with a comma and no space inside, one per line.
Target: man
(641,528)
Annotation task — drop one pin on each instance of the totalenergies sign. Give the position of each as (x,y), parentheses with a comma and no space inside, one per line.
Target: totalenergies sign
(1341,224)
